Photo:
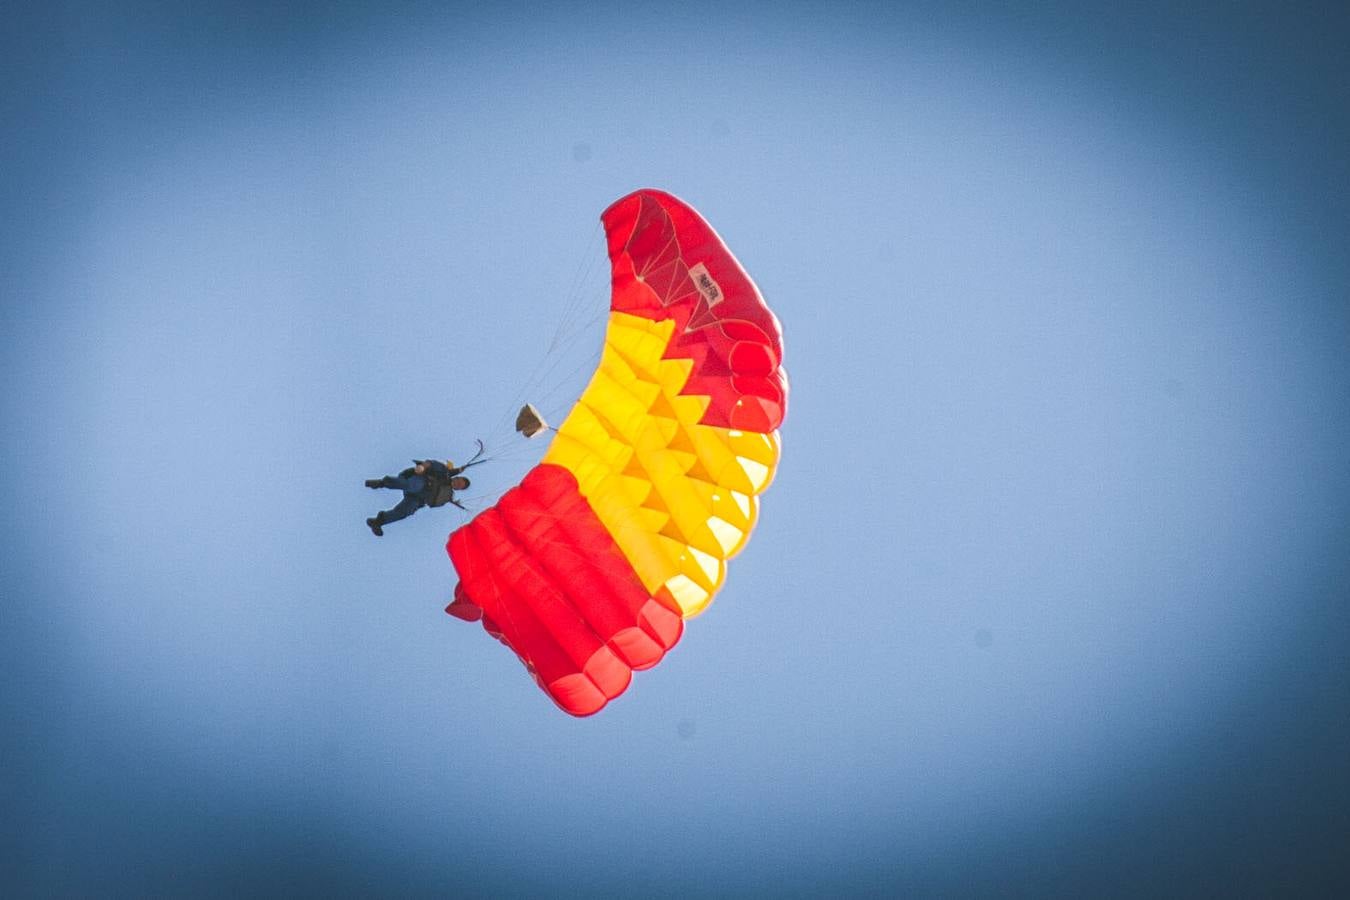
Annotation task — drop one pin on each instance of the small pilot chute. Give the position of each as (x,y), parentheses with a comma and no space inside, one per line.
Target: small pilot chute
(529,422)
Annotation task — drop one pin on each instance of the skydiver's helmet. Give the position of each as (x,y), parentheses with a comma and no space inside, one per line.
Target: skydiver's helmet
(459,483)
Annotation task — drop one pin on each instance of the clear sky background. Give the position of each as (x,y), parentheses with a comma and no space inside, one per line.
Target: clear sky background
(1049,596)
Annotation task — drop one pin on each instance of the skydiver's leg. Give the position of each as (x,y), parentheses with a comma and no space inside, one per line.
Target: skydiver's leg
(410,504)
(412,501)
(413,484)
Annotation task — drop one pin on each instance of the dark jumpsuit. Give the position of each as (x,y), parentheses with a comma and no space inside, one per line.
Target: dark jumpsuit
(418,490)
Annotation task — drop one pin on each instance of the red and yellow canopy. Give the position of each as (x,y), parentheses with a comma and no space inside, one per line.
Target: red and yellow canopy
(589,567)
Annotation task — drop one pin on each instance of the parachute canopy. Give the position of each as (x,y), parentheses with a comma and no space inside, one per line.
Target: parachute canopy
(588,568)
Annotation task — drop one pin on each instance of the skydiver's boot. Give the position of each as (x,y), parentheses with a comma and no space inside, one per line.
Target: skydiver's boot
(375,524)
(374,482)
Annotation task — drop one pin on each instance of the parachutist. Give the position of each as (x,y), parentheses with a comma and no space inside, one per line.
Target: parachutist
(428,483)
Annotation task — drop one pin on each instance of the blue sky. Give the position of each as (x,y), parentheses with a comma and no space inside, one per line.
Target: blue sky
(1048,597)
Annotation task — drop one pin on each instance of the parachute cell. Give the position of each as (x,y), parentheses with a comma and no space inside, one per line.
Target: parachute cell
(588,568)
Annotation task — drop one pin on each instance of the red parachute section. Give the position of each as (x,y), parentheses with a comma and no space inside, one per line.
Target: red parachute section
(721,321)
(550,583)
